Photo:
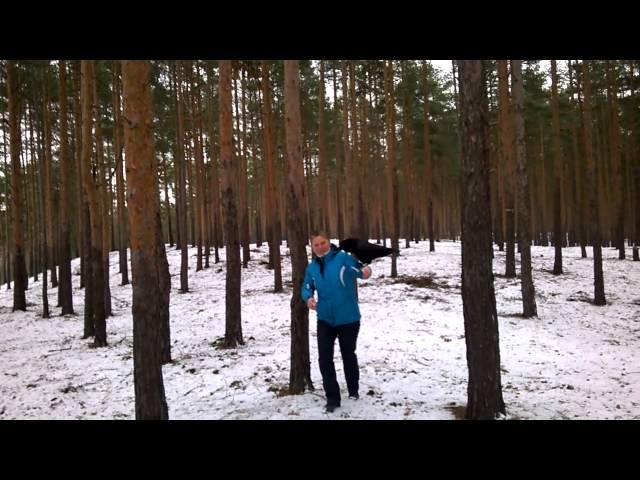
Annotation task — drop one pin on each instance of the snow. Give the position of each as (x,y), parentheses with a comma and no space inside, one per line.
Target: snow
(575,361)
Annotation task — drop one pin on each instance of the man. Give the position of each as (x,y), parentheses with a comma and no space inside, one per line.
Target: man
(332,273)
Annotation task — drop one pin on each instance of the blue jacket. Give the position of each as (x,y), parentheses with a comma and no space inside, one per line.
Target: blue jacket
(336,286)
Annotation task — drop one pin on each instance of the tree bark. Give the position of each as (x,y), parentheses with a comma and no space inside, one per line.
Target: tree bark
(322,160)
(339,175)
(80,195)
(95,212)
(7,247)
(180,163)
(198,210)
(428,168)
(120,187)
(617,163)
(215,181)
(558,234)
(348,157)
(44,207)
(65,297)
(244,181)
(635,149)
(593,188)
(233,325)
(101,188)
(300,374)
(48,202)
(148,259)
(579,201)
(479,303)
(524,233)
(391,164)
(274,221)
(19,264)
(506,143)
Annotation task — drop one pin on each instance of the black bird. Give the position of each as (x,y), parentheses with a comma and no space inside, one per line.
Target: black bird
(364,251)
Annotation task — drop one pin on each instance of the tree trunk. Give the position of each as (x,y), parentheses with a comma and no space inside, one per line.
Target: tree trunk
(180,163)
(272,210)
(147,250)
(167,203)
(357,206)
(120,187)
(322,160)
(524,233)
(44,207)
(110,196)
(579,202)
(506,144)
(81,233)
(191,208)
(392,164)
(311,193)
(592,175)
(300,374)
(48,203)
(66,296)
(102,199)
(7,247)
(617,165)
(364,166)
(542,204)
(499,190)
(33,213)
(215,182)
(406,169)
(244,204)
(428,168)
(95,212)
(348,154)
(204,220)
(601,156)
(484,391)
(198,210)
(173,86)
(339,163)
(207,210)
(19,264)
(558,234)
(635,149)
(379,181)
(256,177)
(233,323)
(89,304)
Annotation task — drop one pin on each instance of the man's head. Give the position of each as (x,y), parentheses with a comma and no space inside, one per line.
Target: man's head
(320,243)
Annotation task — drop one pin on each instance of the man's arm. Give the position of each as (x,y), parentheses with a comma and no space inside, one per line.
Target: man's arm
(308,287)
(362,271)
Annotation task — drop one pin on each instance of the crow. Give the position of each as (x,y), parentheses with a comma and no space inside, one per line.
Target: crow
(364,251)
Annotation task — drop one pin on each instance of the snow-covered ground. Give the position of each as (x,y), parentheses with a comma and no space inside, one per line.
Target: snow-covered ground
(575,360)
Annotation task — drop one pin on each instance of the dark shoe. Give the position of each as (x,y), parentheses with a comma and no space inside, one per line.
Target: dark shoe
(330,407)
(355,396)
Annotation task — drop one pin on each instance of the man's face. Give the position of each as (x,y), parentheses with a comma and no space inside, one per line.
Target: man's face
(320,245)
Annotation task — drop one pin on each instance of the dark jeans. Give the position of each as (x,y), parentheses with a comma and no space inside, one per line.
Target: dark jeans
(347,338)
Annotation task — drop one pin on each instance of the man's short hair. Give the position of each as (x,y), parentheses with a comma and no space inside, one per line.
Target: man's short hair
(319,233)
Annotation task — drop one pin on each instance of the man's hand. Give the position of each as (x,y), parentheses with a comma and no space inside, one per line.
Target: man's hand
(311,303)
(366,272)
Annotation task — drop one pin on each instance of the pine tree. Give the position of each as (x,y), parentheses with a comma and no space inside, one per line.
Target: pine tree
(300,375)
(19,264)
(148,259)
(484,390)
(233,325)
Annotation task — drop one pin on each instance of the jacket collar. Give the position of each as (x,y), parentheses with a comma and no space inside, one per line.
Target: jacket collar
(329,255)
